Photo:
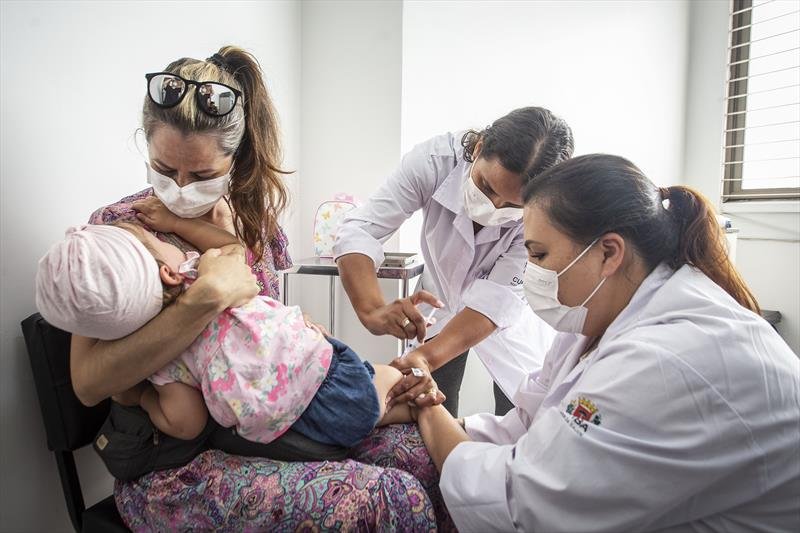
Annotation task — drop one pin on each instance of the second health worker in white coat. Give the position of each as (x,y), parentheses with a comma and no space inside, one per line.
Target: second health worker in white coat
(666,401)
(469,188)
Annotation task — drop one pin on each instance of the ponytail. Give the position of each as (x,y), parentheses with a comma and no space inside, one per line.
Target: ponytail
(590,195)
(258,194)
(701,242)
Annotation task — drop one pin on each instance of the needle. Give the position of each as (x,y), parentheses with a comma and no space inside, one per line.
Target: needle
(430,316)
(411,347)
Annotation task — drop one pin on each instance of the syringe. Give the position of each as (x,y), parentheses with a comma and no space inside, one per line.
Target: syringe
(413,346)
(430,316)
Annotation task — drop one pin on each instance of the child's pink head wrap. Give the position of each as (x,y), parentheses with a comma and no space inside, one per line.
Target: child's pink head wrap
(99,282)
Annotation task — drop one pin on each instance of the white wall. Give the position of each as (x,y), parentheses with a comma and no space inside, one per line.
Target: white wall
(72,90)
(350,135)
(615,71)
(768,253)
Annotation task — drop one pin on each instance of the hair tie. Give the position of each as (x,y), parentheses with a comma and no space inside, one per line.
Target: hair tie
(220,61)
(663,193)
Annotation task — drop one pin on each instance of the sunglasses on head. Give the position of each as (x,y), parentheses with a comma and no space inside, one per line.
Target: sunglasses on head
(167,90)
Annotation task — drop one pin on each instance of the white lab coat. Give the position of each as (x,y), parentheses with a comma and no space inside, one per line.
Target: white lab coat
(483,272)
(689,419)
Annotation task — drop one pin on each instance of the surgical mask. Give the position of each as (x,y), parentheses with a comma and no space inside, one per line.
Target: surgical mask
(480,208)
(541,290)
(192,200)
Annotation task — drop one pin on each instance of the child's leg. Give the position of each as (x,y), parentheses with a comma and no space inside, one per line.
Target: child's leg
(385,378)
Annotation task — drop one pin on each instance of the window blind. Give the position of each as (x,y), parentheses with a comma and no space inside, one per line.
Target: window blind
(762,119)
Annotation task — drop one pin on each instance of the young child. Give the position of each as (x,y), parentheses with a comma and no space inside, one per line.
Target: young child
(259,368)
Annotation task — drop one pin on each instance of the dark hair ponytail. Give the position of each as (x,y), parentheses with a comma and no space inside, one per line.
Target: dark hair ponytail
(258,194)
(701,242)
(526,141)
(591,195)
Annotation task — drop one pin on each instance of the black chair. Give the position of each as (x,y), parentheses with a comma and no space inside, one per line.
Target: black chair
(69,424)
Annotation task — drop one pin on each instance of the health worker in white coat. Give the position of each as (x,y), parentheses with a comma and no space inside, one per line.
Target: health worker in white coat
(666,401)
(469,188)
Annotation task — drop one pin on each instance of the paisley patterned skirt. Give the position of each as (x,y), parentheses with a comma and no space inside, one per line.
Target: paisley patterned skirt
(388,484)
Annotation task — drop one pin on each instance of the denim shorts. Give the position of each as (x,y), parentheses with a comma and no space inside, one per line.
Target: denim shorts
(345,409)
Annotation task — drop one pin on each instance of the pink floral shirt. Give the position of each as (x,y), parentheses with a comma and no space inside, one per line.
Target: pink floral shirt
(258,367)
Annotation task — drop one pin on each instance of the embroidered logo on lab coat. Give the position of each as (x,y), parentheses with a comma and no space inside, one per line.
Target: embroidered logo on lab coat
(580,414)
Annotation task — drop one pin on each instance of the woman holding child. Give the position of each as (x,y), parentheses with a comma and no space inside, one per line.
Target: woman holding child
(219,165)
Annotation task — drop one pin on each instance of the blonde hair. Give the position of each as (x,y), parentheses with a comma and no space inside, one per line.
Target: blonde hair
(250,133)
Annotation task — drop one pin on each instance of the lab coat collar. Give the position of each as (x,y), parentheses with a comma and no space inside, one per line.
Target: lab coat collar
(571,367)
(450,197)
(488,234)
(449,194)
(631,314)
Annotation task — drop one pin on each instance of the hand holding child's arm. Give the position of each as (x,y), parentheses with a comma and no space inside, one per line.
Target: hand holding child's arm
(176,409)
(155,214)
(202,234)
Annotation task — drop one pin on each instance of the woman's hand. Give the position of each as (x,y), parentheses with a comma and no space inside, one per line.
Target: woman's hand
(224,278)
(401,318)
(155,214)
(417,384)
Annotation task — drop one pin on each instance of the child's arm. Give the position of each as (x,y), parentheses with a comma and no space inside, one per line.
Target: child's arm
(176,409)
(202,234)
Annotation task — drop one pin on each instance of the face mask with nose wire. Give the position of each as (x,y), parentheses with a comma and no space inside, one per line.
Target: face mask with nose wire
(192,200)
(480,208)
(541,290)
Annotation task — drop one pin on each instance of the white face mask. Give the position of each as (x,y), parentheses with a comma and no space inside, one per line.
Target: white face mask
(480,208)
(192,200)
(541,290)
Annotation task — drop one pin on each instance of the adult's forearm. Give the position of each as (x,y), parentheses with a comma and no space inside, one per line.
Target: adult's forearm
(465,330)
(440,432)
(360,282)
(101,369)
